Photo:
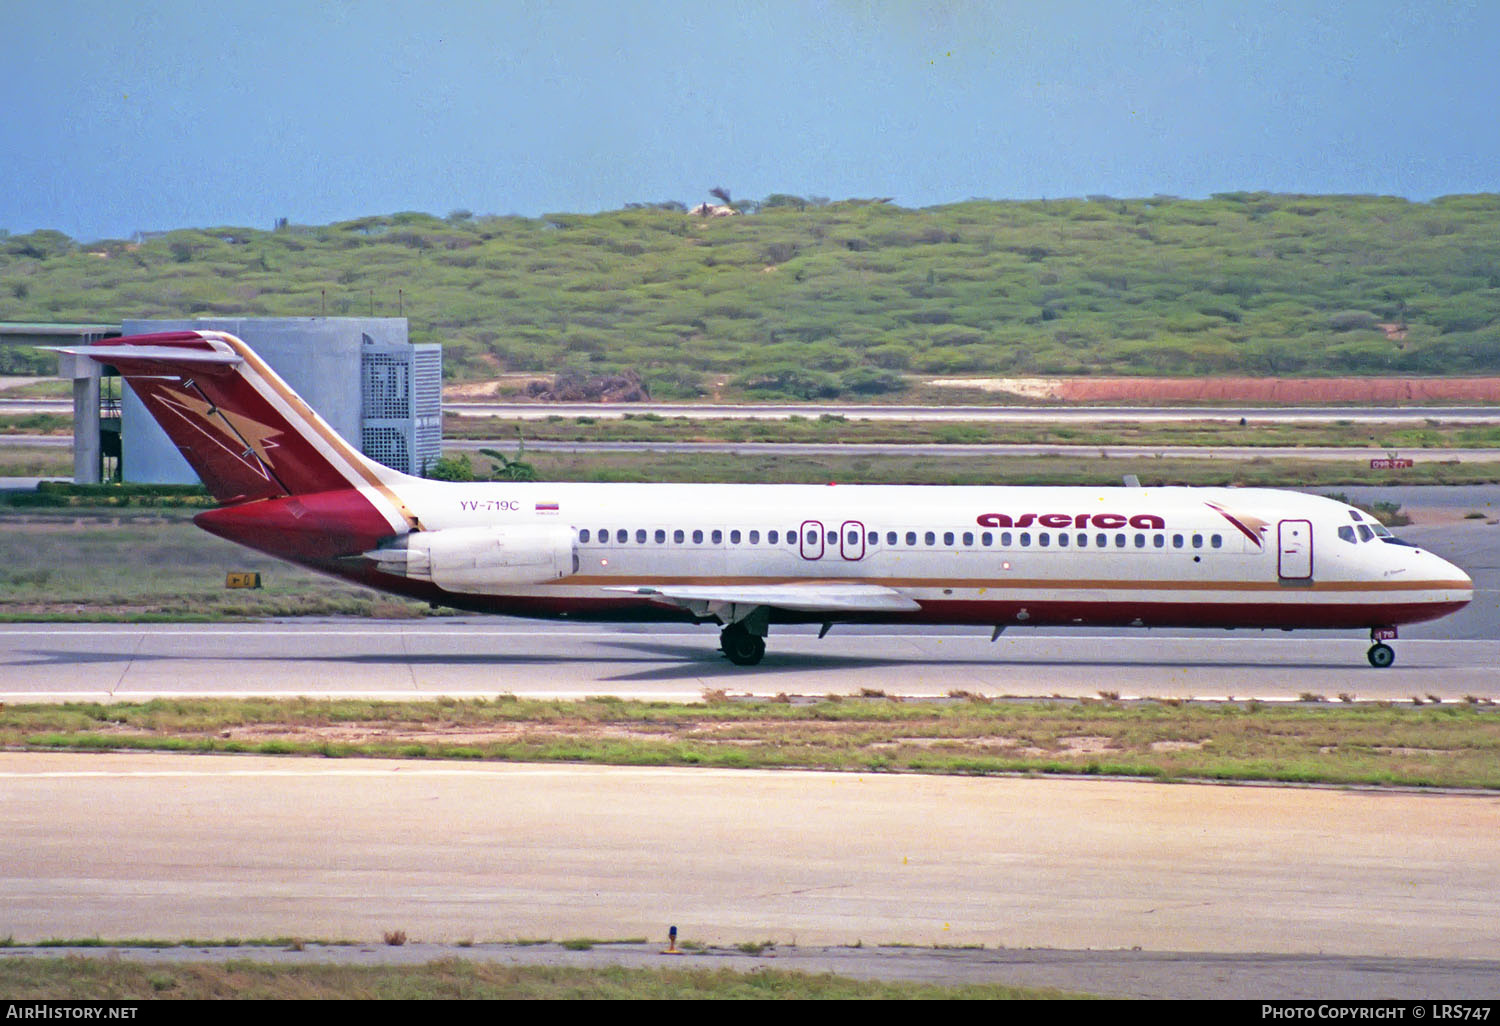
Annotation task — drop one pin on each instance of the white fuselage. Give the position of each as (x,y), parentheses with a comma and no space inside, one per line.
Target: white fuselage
(993,555)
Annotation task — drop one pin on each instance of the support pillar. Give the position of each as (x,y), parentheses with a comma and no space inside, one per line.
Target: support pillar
(85,375)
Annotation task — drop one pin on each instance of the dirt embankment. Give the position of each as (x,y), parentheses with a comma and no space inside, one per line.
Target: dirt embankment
(1269,390)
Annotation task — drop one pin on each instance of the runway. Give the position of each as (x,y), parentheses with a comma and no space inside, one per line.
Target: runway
(478,657)
(170,847)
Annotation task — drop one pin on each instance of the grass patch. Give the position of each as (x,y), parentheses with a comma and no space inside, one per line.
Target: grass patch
(968,468)
(125,564)
(1417,745)
(826,430)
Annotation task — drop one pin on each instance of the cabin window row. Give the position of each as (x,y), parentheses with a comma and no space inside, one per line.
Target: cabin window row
(912,539)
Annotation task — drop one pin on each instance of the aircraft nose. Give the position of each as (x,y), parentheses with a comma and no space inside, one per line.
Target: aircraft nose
(1461,580)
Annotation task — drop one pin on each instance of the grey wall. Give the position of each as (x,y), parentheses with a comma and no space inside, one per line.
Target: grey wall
(318,356)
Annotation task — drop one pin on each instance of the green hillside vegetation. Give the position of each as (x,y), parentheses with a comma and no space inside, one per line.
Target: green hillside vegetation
(810,299)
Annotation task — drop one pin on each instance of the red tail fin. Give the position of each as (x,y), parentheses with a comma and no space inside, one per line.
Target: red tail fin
(240,426)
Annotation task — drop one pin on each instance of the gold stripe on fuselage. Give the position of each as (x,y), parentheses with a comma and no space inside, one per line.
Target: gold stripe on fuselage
(969,584)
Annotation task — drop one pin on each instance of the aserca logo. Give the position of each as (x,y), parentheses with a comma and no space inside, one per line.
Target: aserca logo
(1144,521)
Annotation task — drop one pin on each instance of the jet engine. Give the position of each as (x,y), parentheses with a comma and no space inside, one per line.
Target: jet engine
(482,559)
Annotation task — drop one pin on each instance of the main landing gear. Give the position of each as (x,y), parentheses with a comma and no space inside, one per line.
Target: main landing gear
(742,647)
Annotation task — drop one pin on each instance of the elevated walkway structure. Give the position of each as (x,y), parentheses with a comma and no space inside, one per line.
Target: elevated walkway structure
(363,374)
(96,419)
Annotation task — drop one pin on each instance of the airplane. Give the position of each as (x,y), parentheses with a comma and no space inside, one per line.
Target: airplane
(747,557)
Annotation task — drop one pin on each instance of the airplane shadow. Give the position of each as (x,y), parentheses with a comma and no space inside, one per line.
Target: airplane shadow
(692,662)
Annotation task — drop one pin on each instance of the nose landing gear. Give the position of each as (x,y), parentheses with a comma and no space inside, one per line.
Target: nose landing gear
(1380,654)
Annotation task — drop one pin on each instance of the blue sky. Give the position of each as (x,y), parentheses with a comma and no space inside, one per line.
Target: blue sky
(125,115)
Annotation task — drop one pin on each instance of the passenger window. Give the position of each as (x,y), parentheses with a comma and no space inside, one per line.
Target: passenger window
(640,536)
(911,537)
(1101,540)
(873,538)
(968,538)
(754,537)
(1140,541)
(1044,539)
(1217,541)
(987,539)
(930,538)
(1062,539)
(1005,539)
(734,537)
(622,536)
(698,537)
(890,537)
(717,537)
(583,535)
(833,537)
(1083,540)
(1197,541)
(1159,540)
(1176,541)
(812,537)
(772,537)
(1119,541)
(678,536)
(853,538)
(1025,539)
(661,536)
(948,538)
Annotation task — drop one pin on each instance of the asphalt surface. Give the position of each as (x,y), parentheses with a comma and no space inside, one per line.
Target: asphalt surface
(1113,887)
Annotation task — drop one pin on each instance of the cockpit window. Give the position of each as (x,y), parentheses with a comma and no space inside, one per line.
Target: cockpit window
(1365,534)
(1354,514)
(1347,533)
(1382,531)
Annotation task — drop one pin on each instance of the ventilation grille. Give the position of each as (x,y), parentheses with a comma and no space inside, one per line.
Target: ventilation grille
(402,403)
(387,392)
(387,445)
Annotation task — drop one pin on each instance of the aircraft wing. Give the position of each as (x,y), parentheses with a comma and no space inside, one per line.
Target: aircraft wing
(812,597)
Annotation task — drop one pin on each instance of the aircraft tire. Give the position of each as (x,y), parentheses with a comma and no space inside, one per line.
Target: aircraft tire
(742,647)
(1381,656)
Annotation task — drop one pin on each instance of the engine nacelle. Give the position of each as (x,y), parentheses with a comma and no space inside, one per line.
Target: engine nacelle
(483,559)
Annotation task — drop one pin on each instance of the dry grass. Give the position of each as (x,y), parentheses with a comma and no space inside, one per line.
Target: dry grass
(1454,745)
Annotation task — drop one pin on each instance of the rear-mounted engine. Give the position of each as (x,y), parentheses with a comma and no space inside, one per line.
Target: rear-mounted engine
(482,559)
